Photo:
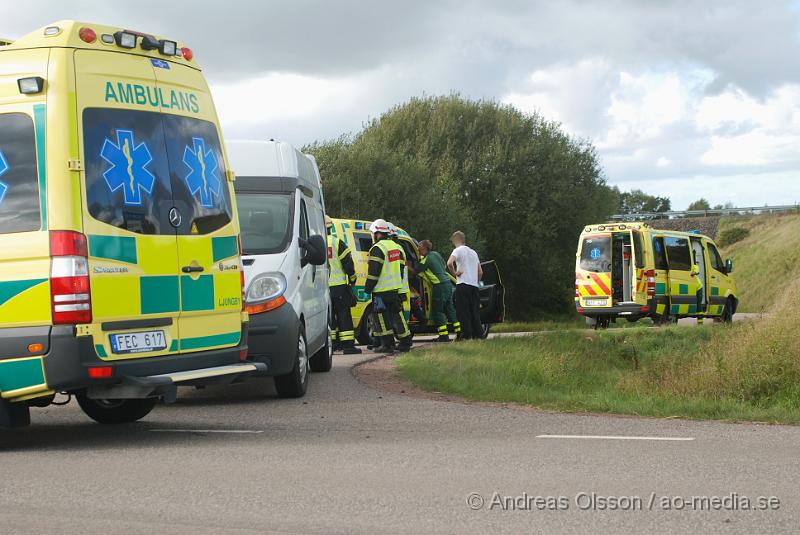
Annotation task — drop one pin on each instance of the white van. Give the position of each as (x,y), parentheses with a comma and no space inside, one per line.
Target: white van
(284,252)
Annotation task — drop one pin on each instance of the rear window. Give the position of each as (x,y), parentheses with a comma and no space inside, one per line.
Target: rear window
(638,248)
(596,254)
(19,184)
(198,173)
(127,172)
(265,221)
(140,164)
(678,254)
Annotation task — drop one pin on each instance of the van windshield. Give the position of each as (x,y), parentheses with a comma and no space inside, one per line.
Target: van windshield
(596,254)
(265,221)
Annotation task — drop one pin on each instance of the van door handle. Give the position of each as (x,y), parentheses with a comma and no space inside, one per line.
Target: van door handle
(192,269)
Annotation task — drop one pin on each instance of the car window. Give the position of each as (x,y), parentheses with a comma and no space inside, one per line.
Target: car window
(127,175)
(265,221)
(198,174)
(304,231)
(19,185)
(596,253)
(363,241)
(678,254)
(716,259)
(659,253)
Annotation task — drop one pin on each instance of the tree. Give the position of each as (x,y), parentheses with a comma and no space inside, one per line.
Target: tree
(519,187)
(637,201)
(700,204)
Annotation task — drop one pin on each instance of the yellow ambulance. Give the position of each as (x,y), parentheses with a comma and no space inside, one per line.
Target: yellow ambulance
(355,233)
(632,271)
(120,274)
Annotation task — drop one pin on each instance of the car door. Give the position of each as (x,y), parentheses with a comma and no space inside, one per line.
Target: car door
(661,274)
(492,294)
(683,296)
(127,196)
(719,281)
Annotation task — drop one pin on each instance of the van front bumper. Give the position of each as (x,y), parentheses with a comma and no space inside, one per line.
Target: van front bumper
(273,339)
(67,363)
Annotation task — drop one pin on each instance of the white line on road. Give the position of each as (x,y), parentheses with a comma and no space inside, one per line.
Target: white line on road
(617,437)
(232,431)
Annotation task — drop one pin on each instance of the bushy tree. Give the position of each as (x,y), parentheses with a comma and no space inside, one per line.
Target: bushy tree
(637,201)
(699,204)
(520,187)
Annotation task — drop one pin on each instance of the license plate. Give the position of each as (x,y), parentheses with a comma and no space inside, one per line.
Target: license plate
(595,302)
(142,342)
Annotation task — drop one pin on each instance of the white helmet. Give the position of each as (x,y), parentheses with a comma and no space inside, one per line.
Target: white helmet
(379,225)
(392,228)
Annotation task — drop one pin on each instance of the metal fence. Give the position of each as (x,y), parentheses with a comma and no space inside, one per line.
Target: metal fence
(751,210)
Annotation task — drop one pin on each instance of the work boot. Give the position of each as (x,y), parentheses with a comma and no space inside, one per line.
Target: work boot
(336,346)
(442,338)
(349,348)
(405,345)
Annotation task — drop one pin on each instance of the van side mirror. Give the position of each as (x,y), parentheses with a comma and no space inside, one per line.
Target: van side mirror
(729,265)
(316,249)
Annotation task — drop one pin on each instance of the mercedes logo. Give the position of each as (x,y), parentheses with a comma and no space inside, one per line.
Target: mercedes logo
(175,217)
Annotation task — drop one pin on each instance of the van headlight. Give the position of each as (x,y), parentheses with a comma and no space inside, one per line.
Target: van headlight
(266,287)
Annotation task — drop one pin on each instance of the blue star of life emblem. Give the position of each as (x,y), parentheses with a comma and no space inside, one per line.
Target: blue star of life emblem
(128,167)
(595,253)
(4,167)
(203,178)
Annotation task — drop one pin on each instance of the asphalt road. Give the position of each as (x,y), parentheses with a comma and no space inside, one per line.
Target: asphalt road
(351,459)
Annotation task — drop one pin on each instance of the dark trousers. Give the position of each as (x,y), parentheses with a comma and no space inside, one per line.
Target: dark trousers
(468,309)
(389,319)
(341,318)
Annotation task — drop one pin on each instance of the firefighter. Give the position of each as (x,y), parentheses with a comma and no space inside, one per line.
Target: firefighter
(384,281)
(405,291)
(341,282)
(432,267)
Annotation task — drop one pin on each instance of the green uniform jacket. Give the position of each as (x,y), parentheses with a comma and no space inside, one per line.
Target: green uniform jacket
(433,268)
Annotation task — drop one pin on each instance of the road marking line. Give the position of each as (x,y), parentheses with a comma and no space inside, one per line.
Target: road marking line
(232,431)
(617,437)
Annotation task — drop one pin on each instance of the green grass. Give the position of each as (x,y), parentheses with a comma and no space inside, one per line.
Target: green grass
(767,260)
(749,371)
(709,372)
(567,322)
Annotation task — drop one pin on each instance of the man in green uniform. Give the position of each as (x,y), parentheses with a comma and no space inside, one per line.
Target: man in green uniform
(384,281)
(432,267)
(341,280)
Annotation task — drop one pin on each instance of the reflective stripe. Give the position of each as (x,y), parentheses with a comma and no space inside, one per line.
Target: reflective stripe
(337,275)
(390,277)
(346,336)
(457,327)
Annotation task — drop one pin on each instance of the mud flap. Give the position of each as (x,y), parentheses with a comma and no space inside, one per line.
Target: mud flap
(14,414)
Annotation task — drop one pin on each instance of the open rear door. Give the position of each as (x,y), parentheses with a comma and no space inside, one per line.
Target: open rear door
(493,294)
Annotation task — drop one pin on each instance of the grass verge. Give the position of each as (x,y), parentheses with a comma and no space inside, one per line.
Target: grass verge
(746,372)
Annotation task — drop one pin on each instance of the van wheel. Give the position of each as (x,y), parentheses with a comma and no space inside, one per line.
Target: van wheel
(116,411)
(295,383)
(322,360)
(728,311)
(364,335)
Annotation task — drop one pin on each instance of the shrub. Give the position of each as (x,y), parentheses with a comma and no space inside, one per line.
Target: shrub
(732,235)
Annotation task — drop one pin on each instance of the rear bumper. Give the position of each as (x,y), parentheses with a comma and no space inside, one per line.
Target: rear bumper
(69,357)
(620,310)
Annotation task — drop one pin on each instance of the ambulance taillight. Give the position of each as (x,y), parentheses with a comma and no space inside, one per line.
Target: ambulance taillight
(70,295)
(651,282)
(577,284)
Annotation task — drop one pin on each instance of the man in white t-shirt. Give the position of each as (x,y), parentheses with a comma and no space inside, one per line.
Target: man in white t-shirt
(466,266)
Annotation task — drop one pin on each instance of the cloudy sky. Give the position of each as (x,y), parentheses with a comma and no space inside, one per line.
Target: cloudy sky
(681,98)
